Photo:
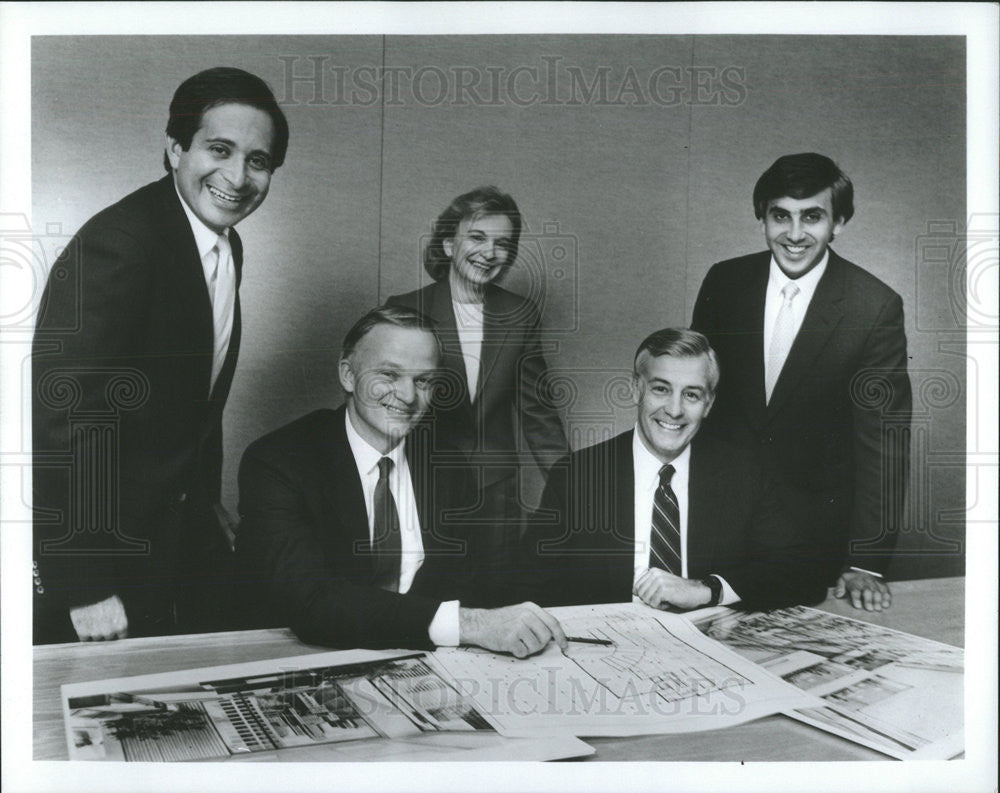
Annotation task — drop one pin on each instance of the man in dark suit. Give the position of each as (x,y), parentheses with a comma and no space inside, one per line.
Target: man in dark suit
(813,356)
(135,346)
(678,519)
(349,532)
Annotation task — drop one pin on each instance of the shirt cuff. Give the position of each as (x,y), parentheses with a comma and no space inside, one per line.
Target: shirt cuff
(443,630)
(729,596)
(862,570)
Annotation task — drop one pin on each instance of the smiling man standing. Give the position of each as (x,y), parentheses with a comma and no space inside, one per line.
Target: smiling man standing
(135,346)
(813,355)
(678,519)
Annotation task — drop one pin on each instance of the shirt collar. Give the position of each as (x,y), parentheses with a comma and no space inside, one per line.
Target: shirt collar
(204,237)
(367,456)
(647,467)
(776,279)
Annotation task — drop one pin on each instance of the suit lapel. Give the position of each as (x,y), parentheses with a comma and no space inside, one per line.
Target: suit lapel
(624,478)
(417,458)
(438,307)
(497,316)
(701,496)
(189,279)
(749,359)
(341,488)
(822,317)
(620,560)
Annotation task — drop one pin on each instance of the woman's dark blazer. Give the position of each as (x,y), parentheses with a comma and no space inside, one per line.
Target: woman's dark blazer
(511,386)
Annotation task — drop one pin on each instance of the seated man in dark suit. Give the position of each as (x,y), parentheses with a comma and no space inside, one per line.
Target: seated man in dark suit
(679,521)
(346,534)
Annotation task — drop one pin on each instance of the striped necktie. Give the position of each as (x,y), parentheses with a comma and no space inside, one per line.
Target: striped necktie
(665,534)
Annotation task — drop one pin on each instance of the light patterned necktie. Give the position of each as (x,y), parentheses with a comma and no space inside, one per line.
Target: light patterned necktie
(223,294)
(782,338)
(665,528)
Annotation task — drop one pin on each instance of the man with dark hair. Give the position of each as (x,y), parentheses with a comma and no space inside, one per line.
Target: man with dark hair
(679,520)
(134,351)
(348,532)
(813,356)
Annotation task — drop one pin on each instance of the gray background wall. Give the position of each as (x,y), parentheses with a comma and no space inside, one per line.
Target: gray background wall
(629,196)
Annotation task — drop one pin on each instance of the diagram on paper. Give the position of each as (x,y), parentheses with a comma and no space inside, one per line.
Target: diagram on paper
(645,658)
(656,674)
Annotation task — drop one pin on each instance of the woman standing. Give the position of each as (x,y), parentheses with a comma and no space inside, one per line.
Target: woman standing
(492,361)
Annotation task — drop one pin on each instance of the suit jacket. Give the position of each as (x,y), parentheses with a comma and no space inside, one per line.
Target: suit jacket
(300,554)
(511,368)
(837,426)
(127,436)
(583,536)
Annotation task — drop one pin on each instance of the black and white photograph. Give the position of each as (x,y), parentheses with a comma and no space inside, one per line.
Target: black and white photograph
(427,327)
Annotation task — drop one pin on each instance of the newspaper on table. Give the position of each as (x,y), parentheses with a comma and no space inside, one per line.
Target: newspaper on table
(654,674)
(305,702)
(899,694)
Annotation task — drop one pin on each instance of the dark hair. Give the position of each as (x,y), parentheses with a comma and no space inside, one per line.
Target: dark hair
(399,316)
(801,176)
(220,86)
(680,343)
(476,203)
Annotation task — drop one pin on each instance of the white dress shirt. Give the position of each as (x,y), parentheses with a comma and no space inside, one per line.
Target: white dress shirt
(204,240)
(646,468)
(776,281)
(443,629)
(469,323)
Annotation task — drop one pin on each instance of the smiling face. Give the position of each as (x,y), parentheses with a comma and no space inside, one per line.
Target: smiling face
(673,398)
(389,379)
(479,250)
(226,171)
(798,231)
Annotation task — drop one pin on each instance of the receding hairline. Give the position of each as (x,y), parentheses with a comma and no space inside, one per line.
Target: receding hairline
(711,366)
(394,326)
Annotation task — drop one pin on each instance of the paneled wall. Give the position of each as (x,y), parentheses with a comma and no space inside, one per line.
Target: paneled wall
(632,159)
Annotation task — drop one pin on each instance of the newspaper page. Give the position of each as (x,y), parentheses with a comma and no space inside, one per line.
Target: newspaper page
(242,709)
(890,691)
(632,671)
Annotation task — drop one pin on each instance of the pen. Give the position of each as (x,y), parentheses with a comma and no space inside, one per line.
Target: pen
(588,640)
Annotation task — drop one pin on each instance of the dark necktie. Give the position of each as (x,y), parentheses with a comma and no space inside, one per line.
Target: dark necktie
(386,540)
(665,530)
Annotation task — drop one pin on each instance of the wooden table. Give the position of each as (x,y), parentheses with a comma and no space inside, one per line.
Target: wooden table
(932,608)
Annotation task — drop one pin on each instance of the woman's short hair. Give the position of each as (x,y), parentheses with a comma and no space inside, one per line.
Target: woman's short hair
(476,203)
(803,175)
(223,85)
(680,343)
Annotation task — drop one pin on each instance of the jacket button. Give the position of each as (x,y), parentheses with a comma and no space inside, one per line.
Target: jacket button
(40,590)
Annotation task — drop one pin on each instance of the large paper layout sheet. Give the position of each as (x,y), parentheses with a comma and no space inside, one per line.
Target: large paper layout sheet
(250,710)
(891,691)
(657,674)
